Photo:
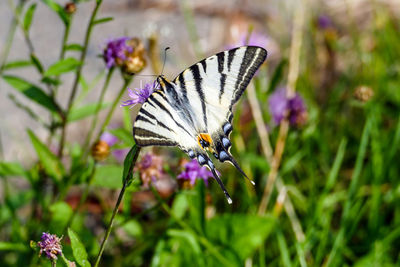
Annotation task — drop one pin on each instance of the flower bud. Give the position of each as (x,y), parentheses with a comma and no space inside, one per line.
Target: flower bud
(100,150)
(70,8)
(363,93)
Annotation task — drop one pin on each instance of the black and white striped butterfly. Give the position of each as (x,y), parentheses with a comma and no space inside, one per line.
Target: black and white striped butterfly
(194,111)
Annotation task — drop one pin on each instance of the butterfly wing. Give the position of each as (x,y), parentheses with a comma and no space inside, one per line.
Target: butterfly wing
(213,85)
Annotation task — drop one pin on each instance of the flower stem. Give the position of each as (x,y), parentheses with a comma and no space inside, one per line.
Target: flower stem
(77,78)
(126,183)
(113,106)
(96,115)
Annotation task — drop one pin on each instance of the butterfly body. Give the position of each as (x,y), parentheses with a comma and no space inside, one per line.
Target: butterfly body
(194,111)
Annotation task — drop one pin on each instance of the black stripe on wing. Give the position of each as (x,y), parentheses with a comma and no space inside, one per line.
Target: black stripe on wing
(253,58)
(197,82)
(144,137)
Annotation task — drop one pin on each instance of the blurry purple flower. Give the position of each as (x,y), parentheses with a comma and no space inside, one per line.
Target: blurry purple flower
(120,154)
(256,39)
(50,245)
(324,22)
(116,51)
(139,95)
(194,171)
(150,168)
(109,138)
(280,107)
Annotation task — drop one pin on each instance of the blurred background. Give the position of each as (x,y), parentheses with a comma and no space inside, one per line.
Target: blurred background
(337,195)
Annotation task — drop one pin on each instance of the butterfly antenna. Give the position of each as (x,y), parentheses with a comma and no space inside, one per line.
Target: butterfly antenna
(165,59)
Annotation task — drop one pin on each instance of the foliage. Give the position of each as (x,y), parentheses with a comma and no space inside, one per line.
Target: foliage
(336,199)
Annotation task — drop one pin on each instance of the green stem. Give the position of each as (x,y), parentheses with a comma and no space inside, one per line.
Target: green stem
(126,183)
(83,197)
(77,78)
(96,115)
(113,106)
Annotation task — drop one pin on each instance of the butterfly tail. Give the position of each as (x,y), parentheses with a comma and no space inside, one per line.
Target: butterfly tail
(221,184)
(234,163)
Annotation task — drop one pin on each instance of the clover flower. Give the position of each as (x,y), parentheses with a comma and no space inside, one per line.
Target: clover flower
(50,245)
(126,53)
(150,168)
(139,95)
(193,171)
(280,106)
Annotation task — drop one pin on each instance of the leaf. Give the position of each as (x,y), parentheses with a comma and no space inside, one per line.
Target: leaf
(59,9)
(11,169)
(180,206)
(13,246)
(85,111)
(123,135)
(50,162)
(31,91)
(129,163)
(277,76)
(102,20)
(36,63)
(61,212)
(239,232)
(62,66)
(76,47)
(108,176)
(28,17)
(133,228)
(17,64)
(78,249)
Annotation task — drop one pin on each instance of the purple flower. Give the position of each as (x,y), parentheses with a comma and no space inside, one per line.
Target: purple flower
(150,168)
(324,22)
(120,154)
(194,171)
(139,95)
(116,51)
(109,138)
(280,107)
(50,245)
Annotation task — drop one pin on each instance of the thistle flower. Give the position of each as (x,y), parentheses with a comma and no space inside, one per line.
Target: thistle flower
(193,171)
(150,168)
(50,245)
(139,95)
(126,53)
(280,107)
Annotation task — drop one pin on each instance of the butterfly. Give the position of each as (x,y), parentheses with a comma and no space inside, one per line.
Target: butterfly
(194,111)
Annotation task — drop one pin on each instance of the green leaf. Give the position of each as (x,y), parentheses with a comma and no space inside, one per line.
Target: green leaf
(62,66)
(278,74)
(36,63)
(102,20)
(28,17)
(180,205)
(60,214)
(123,135)
(76,47)
(31,91)
(85,111)
(59,9)
(133,228)
(17,64)
(50,162)
(129,163)
(11,169)
(78,249)
(243,234)
(13,246)
(108,176)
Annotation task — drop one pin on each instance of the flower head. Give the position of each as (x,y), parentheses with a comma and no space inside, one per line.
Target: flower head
(109,138)
(194,171)
(126,53)
(324,22)
(50,245)
(150,168)
(116,51)
(363,93)
(280,106)
(139,95)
